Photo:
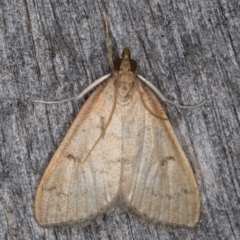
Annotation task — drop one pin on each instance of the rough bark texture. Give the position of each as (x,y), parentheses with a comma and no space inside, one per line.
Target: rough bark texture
(53,49)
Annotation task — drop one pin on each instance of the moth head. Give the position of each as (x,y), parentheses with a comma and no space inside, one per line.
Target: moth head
(125,63)
(124,69)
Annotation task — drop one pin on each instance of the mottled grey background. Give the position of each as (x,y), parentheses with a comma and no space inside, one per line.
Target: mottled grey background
(53,49)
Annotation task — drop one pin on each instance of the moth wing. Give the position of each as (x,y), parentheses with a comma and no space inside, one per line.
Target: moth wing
(157,180)
(73,190)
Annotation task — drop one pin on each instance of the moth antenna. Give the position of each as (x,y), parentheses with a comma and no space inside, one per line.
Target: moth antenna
(145,105)
(154,17)
(151,112)
(161,96)
(16,99)
(105,128)
(180,115)
(81,95)
(109,45)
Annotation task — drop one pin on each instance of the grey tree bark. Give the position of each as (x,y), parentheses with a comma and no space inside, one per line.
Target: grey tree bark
(54,49)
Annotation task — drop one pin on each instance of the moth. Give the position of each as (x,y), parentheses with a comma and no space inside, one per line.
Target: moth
(120,147)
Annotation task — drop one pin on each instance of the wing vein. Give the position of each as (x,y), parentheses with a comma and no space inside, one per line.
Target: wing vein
(155,184)
(160,199)
(169,195)
(146,184)
(77,190)
(68,189)
(85,191)
(134,186)
(94,183)
(50,193)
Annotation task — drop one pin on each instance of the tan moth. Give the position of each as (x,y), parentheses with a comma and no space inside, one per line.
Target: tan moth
(120,146)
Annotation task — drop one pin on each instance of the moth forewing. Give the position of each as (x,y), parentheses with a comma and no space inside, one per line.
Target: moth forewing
(159,183)
(73,191)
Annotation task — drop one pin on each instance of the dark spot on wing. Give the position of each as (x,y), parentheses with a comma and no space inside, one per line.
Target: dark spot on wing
(71,158)
(167,159)
(49,189)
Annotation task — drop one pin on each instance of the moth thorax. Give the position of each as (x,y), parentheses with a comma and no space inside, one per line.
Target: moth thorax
(125,65)
(125,86)
(125,77)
